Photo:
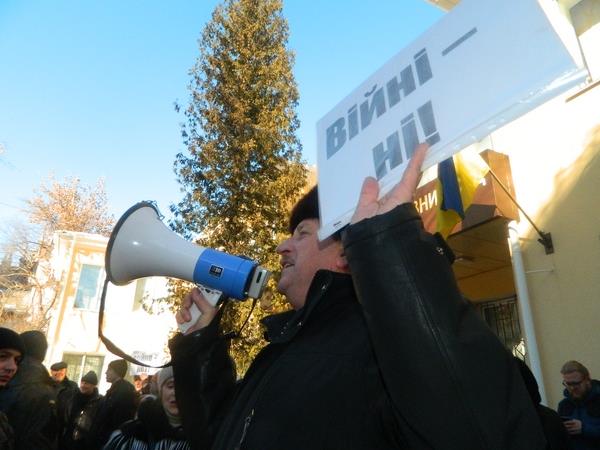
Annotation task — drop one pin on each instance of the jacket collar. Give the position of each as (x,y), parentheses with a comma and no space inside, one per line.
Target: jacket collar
(337,287)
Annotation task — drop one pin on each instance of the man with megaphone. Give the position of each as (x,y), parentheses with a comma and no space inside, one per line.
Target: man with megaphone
(380,351)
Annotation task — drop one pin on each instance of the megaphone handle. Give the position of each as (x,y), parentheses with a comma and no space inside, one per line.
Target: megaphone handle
(212,295)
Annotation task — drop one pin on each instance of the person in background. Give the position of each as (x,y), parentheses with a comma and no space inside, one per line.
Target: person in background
(11,353)
(65,390)
(116,407)
(58,372)
(138,383)
(29,399)
(580,409)
(12,350)
(158,424)
(555,432)
(147,384)
(79,414)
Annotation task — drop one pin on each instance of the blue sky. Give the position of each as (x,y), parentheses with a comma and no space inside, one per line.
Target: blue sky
(87,87)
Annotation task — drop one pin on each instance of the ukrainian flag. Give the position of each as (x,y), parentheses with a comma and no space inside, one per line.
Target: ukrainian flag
(458,179)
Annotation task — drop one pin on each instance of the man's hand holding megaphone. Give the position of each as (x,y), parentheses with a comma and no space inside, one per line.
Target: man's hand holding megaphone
(184,315)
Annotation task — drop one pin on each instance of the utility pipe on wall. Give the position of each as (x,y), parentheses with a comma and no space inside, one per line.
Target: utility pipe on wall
(524,306)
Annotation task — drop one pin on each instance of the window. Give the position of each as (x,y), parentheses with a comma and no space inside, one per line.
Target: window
(503,318)
(78,364)
(88,290)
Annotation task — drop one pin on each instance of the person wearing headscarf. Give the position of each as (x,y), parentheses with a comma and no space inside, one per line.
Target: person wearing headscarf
(29,399)
(158,424)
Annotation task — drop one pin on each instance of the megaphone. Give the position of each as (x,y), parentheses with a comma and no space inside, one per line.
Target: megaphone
(141,245)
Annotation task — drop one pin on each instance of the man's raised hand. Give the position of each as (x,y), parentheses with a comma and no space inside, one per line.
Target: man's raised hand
(403,192)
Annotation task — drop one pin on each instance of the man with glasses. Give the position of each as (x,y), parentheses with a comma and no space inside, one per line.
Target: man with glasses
(580,409)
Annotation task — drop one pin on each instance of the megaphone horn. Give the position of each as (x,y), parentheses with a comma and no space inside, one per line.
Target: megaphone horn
(141,245)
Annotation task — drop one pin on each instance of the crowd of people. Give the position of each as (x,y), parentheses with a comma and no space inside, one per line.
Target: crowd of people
(42,411)
(379,351)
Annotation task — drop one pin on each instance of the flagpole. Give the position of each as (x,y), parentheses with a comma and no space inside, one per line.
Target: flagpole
(545,238)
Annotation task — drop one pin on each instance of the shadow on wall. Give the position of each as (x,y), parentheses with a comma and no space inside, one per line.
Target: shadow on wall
(576,201)
(584,166)
(565,298)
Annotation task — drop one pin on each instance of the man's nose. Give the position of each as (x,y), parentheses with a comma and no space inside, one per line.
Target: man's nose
(283,247)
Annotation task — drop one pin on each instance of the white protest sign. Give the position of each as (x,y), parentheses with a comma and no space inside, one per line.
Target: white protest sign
(482,65)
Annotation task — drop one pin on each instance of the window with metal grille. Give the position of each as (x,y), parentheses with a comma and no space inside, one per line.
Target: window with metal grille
(503,318)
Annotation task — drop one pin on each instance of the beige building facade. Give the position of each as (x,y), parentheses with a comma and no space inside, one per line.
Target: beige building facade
(77,266)
(548,303)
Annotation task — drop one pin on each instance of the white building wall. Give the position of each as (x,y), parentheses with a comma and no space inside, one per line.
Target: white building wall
(74,330)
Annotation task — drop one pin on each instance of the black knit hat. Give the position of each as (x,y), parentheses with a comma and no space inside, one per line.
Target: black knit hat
(10,339)
(35,344)
(308,208)
(58,366)
(90,377)
(119,366)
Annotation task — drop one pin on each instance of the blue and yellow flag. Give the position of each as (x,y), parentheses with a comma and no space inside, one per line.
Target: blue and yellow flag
(458,178)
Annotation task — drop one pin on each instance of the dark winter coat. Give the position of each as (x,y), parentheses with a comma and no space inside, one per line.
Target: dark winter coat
(7,435)
(554,430)
(117,407)
(77,417)
(66,385)
(150,431)
(29,401)
(588,411)
(65,391)
(390,358)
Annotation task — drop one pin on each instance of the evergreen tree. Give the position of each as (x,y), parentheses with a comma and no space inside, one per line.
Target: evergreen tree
(243,168)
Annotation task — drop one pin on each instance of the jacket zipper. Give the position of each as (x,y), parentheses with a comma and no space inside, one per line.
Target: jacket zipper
(247,421)
(263,383)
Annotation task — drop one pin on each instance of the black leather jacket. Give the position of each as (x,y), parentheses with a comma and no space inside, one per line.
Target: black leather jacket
(390,358)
